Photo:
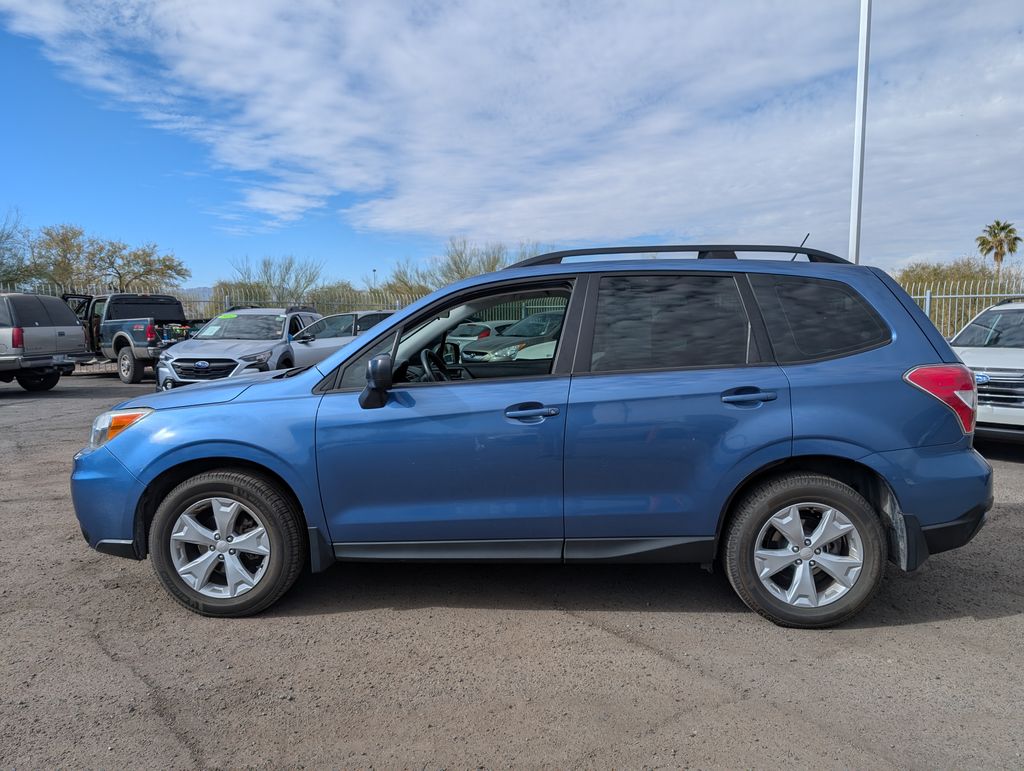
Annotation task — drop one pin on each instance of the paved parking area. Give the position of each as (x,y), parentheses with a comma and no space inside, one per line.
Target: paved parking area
(431,666)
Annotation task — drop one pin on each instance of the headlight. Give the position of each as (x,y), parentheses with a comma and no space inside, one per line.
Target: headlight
(110,424)
(508,351)
(165,356)
(258,358)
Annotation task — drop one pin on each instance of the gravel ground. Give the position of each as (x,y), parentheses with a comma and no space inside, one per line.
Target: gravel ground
(467,666)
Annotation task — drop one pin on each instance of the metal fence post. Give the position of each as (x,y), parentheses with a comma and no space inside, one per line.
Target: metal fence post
(928,303)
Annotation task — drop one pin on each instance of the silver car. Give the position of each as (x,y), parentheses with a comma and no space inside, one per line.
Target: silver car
(238,342)
(322,338)
(40,340)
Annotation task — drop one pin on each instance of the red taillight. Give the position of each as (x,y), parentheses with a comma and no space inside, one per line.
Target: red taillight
(482,335)
(951,384)
(150,332)
(17,337)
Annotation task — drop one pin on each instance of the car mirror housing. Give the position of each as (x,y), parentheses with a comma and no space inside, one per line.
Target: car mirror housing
(378,382)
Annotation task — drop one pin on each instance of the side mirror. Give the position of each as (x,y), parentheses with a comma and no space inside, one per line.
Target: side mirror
(305,337)
(451,353)
(378,382)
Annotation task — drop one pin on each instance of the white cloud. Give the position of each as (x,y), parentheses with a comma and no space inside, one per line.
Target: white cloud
(578,121)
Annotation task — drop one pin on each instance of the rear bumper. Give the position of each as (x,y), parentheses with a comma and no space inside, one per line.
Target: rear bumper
(1006,433)
(16,364)
(923,542)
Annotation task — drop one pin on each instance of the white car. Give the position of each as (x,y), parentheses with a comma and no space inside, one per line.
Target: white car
(322,338)
(470,331)
(992,345)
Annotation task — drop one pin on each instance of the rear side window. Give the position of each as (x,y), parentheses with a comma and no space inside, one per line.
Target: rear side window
(59,313)
(370,320)
(5,315)
(29,312)
(813,318)
(666,322)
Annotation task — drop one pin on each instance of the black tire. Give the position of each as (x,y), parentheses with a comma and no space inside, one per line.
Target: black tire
(285,364)
(279,516)
(761,504)
(129,369)
(38,382)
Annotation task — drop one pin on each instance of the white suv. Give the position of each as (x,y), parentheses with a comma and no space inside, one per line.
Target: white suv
(992,344)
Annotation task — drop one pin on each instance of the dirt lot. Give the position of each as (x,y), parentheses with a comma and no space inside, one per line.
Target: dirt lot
(493,666)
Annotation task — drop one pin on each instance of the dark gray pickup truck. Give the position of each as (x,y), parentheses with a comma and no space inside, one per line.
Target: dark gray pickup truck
(131,329)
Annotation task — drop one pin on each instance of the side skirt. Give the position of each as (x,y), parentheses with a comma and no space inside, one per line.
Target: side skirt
(668,549)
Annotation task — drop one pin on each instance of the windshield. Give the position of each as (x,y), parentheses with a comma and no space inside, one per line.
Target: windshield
(994,329)
(538,325)
(243,326)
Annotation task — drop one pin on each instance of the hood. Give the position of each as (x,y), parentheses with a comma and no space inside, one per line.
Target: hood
(493,343)
(220,348)
(997,358)
(214,392)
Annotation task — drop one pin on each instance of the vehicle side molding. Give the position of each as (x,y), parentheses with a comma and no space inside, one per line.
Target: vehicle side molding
(511,550)
(663,549)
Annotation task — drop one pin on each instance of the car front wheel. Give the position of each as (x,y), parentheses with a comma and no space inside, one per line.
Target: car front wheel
(227,543)
(805,550)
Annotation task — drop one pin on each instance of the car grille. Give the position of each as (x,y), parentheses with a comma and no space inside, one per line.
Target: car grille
(1005,387)
(186,368)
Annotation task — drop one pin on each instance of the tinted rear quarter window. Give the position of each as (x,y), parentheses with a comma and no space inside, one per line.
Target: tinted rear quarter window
(809,319)
(669,321)
(29,312)
(5,314)
(59,313)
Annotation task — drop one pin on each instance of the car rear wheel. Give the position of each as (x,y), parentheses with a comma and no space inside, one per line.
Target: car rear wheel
(36,382)
(805,550)
(227,543)
(128,367)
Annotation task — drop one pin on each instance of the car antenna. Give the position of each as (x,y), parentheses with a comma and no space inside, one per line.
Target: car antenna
(801,244)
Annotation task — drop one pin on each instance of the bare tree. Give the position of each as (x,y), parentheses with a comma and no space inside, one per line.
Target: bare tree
(276,280)
(461,259)
(14,248)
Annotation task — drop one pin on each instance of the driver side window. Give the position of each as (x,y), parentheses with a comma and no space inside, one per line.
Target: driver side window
(525,348)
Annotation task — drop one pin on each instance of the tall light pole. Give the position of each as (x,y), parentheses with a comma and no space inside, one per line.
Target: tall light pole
(857,193)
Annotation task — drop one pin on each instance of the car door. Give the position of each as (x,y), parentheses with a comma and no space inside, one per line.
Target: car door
(329,334)
(67,328)
(672,403)
(470,468)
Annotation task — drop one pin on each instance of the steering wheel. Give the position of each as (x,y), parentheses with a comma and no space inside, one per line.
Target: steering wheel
(433,366)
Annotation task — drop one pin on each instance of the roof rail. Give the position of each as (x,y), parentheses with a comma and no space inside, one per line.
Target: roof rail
(704,252)
(1010,300)
(296,308)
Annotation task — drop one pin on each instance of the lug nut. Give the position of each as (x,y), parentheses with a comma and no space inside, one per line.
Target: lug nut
(807,542)
(811,563)
(216,536)
(231,551)
(212,547)
(817,551)
(798,562)
(795,548)
(228,539)
(220,557)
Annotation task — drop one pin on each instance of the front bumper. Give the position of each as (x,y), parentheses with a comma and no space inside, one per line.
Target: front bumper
(105,496)
(167,378)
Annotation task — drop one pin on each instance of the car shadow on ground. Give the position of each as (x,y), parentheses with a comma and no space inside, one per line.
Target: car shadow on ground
(935,593)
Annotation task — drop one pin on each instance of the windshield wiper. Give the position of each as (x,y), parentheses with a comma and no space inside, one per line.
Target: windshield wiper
(292,372)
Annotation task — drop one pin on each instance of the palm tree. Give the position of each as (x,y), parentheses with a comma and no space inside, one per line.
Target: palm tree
(998,239)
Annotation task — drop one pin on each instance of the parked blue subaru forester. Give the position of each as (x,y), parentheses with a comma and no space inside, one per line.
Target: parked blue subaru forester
(797,423)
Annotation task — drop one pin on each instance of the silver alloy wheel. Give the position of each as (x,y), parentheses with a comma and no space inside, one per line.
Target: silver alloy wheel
(220,547)
(126,367)
(808,555)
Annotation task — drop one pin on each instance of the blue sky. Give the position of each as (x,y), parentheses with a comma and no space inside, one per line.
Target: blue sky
(360,134)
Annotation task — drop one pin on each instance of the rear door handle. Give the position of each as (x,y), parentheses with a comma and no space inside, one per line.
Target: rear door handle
(752,396)
(530,410)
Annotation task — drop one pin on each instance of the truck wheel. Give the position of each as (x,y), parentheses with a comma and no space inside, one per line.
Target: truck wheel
(128,367)
(38,382)
(805,550)
(227,543)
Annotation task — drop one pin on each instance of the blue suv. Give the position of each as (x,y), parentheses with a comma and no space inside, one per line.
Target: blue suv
(795,423)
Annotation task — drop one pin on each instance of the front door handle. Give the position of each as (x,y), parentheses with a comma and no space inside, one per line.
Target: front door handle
(750,396)
(530,410)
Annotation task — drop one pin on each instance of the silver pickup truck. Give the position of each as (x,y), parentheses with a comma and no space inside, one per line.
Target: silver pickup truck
(40,340)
